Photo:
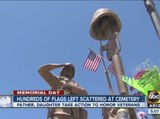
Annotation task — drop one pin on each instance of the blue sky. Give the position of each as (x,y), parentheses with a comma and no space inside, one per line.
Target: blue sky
(33,33)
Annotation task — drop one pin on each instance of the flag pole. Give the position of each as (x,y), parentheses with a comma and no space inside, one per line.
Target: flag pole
(106,72)
(151,9)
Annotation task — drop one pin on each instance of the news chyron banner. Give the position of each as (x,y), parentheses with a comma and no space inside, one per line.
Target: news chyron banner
(48,98)
(154,102)
(7,100)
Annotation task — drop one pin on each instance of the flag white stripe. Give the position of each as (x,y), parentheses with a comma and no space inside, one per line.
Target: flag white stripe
(87,63)
(97,62)
(94,63)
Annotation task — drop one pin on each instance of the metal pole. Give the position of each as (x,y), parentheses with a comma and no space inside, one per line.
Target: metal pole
(150,6)
(50,113)
(119,72)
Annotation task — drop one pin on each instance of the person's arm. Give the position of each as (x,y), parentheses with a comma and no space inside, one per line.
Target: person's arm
(75,90)
(50,78)
(78,91)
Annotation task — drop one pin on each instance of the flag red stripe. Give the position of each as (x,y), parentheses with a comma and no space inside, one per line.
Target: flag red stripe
(97,60)
(111,69)
(95,64)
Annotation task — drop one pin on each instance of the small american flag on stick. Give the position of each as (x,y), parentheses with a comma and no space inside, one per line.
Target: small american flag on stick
(92,62)
(111,69)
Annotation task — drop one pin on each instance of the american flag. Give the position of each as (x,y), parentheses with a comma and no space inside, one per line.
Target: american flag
(92,62)
(111,69)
